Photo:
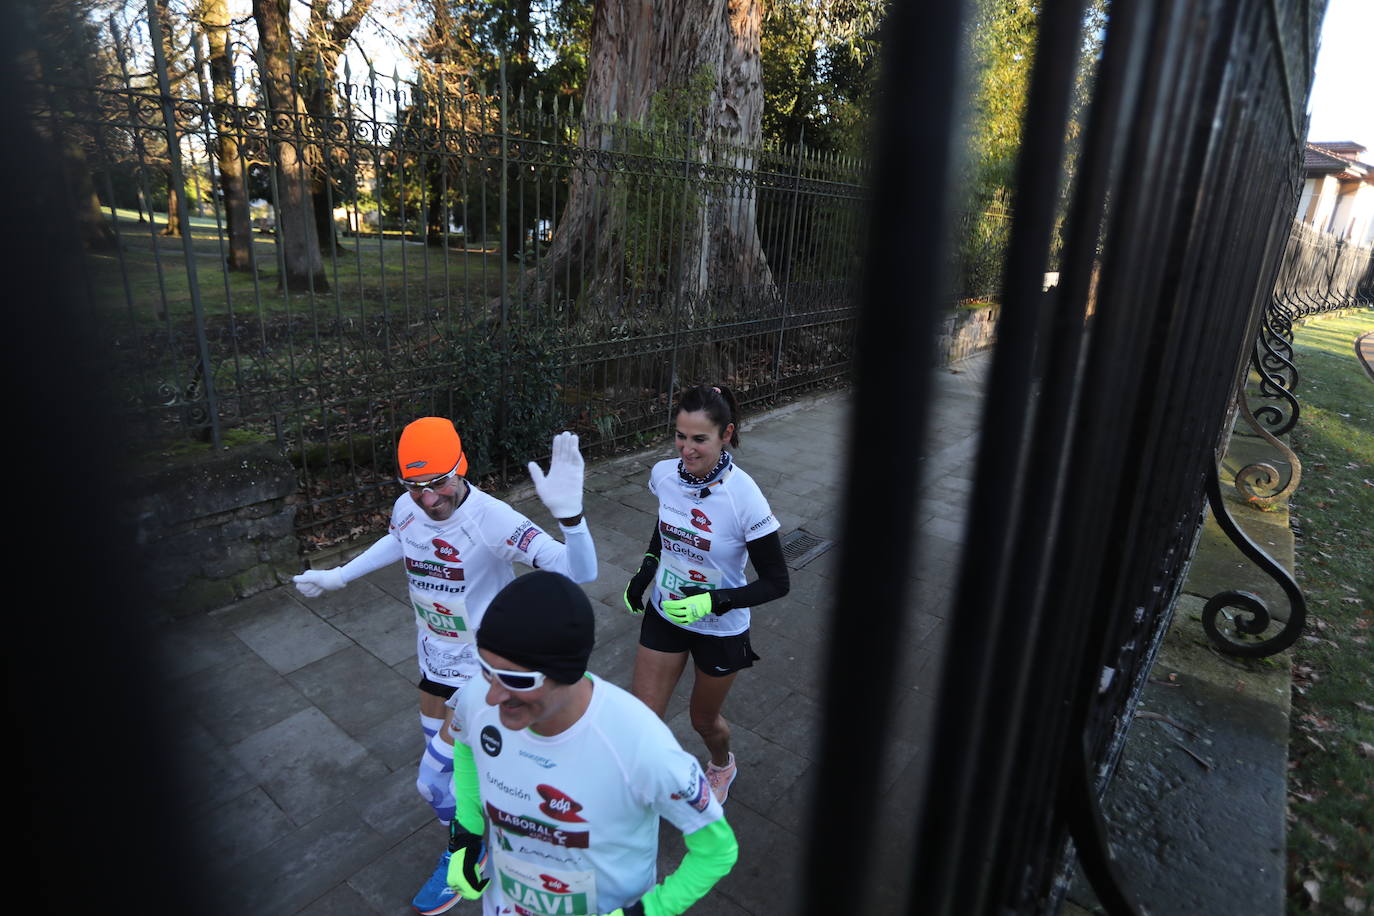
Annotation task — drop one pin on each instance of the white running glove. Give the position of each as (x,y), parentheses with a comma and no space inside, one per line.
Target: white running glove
(561,489)
(315,582)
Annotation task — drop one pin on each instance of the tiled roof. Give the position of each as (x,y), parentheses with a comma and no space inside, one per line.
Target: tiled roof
(1346,148)
(1314,160)
(1335,156)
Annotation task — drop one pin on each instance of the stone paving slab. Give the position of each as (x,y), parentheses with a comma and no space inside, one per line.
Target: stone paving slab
(306,764)
(386,630)
(301,867)
(395,741)
(354,688)
(283,632)
(193,645)
(240,700)
(302,733)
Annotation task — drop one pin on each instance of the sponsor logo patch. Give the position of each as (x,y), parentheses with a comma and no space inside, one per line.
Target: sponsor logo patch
(541,851)
(553,884)
(406,524)
(674,533)
(416,464)
(491,741)
(675,583)
(683,550)
(700,521)
(445,551)
(538,830)
(430,568)
(426,586)
(441,620)
(558,805)
(757,525)
(695,791)
(523,535)
(699,795)
(514,791)
(544,762)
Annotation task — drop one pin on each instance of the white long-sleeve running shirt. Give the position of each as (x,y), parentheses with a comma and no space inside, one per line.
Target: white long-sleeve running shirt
(455,567)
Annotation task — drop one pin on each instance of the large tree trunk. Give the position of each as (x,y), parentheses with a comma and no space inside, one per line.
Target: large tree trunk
(325,39)
(95,229)
(734,257)
(647,55)
(291,154)
(231,177)
(175,74)
(173,227)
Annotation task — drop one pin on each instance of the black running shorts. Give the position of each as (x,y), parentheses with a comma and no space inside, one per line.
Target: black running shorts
(434,688)
(715,656)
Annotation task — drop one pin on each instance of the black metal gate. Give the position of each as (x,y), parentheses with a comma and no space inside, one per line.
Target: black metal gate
(1106,404)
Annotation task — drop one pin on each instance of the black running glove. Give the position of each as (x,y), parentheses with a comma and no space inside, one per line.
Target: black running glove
(634,592)
(467,862)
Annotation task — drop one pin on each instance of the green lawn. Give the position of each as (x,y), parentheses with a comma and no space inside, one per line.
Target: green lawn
(1331,764)
(367,276)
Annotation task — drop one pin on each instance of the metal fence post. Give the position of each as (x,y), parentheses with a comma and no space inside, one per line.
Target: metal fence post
(207,370)
(688,164)
(504,279)
(791,255)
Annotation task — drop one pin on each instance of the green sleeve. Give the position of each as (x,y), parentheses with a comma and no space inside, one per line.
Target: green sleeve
(469,802)
(711,853)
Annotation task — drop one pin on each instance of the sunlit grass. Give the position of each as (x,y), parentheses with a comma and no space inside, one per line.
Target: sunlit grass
(1331,777)
(146,281)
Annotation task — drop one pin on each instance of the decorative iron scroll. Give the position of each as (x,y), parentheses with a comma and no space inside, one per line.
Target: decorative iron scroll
(1258,483)
(1277,355)
(1254,618)
(1282,416)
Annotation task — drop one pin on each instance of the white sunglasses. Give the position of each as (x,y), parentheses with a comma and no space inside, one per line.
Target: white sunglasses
(519,681)
(438,483)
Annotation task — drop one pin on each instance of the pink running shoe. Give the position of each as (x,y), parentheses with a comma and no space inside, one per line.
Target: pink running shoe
(720,778)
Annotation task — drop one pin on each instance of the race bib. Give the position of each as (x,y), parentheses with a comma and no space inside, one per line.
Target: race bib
(448,662)
(673,578)
(446,618)
(545,891)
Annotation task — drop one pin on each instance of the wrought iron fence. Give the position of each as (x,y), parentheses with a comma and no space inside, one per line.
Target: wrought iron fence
(1321,272)
(1107,403)
(438,272)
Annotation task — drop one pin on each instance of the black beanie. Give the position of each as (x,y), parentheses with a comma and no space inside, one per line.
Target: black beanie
(543,621)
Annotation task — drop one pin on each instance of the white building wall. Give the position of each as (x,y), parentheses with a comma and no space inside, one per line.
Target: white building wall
(1353,211)
(1305,200)
(1324,205)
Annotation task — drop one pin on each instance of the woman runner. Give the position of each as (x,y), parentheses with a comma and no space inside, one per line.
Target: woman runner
(712,518)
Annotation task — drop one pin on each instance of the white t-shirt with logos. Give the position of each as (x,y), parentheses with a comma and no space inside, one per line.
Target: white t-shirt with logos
(455,567)
(703,539)
(572,819)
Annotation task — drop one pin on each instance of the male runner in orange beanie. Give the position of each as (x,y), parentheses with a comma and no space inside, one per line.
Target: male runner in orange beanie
(458,545)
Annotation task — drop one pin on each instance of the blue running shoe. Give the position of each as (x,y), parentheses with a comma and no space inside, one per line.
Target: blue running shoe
(436,896)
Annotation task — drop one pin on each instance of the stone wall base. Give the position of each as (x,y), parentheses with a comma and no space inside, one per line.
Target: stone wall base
(966,331)
(216,528)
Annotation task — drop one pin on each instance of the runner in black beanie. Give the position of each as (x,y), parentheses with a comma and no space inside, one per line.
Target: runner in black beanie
(560,777)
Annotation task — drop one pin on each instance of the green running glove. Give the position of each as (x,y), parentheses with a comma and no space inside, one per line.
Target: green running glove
(688,610)
(634,909)
(467,860)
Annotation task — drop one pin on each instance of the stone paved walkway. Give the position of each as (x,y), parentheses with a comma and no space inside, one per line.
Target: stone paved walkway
(299,717)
